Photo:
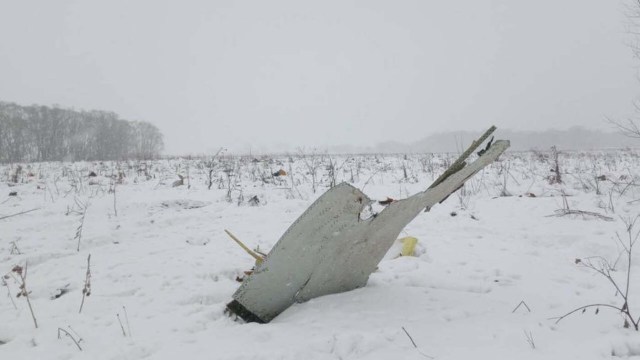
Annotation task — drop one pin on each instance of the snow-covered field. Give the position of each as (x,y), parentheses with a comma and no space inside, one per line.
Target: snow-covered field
(492,268)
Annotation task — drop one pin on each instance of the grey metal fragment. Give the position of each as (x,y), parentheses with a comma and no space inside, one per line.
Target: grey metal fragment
(330,249)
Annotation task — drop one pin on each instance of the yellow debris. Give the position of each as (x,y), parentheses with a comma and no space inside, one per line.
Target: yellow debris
(408,246)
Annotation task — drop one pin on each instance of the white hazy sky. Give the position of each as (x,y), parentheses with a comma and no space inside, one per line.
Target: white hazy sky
(267,74)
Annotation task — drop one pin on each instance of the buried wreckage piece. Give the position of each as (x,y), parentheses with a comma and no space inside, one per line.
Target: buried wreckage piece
(331,249)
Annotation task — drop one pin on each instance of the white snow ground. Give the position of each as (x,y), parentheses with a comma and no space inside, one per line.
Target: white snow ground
(164,268)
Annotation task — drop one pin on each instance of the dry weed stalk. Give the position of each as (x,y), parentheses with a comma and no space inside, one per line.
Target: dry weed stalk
(529,336)
(86,291)
(604,268)
(22,273)
(126,318)
(82,206)
(4,283)
(14,250)
(121,326)
(566,210)
(77,342)
(20,213)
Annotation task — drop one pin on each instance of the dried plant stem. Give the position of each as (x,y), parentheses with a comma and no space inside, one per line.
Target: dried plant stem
(121,327)
(568,211)
(4,283)
(522,303)
(559,318)
(126,318)
(414,344)
(529,336)
(70,336)
(20,213)
(115,209)
(410,338)
(24,292)
(84,207)
(86,291)
(14,250)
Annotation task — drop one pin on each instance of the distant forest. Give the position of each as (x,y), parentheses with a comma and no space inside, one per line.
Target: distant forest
(43,133)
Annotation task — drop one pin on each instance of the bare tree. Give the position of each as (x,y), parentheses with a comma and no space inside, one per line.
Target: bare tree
(629,127)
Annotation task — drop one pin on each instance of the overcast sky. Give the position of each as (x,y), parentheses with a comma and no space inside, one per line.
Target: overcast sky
(269,74)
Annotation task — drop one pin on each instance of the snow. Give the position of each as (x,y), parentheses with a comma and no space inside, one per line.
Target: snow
(165,269)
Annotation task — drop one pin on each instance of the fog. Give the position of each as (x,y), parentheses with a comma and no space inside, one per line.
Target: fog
(270,76)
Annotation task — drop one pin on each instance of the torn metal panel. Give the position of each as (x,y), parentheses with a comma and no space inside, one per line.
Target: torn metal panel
(330,249)
(275,284)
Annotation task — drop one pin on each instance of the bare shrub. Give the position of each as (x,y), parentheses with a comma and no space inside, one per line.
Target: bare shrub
(603,267)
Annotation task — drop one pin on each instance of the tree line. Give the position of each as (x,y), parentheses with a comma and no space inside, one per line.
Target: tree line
(43,133)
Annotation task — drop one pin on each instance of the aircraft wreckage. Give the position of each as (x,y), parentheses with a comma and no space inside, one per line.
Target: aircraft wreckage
(331,249)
